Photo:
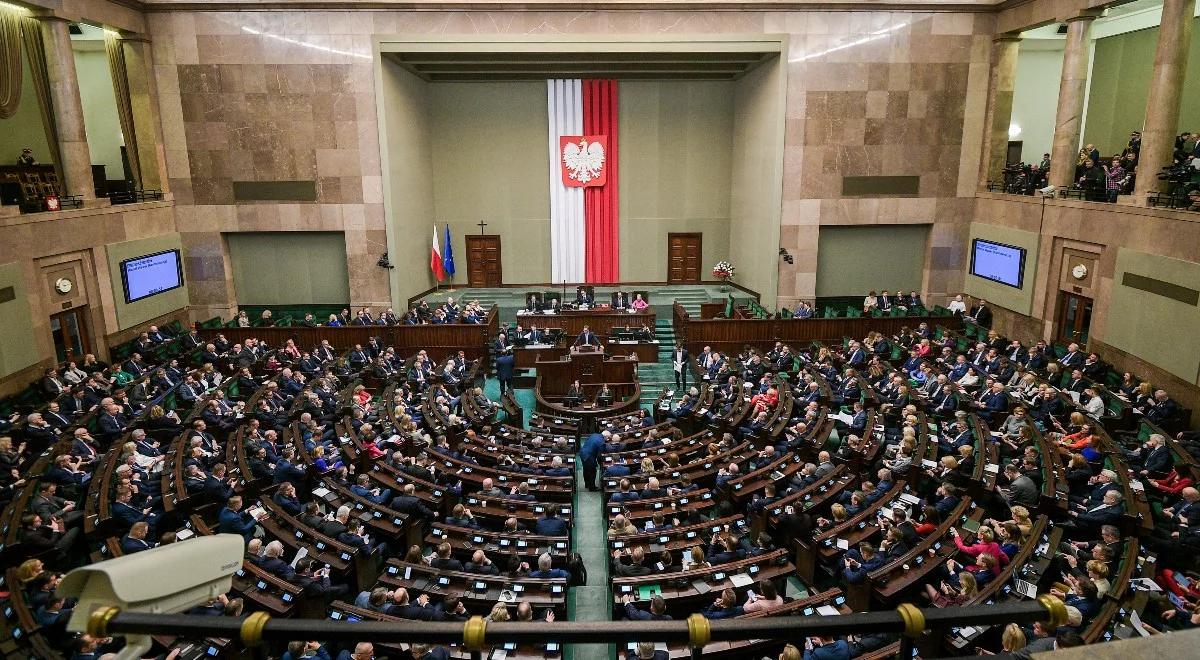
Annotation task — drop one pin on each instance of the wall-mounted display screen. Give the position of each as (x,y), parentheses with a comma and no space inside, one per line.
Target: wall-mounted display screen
(151,274)
(998,262)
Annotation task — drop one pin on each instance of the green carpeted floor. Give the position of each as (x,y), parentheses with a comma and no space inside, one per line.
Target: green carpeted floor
(592,601)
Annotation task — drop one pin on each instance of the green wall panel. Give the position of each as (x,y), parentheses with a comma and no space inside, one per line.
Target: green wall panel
(852,260)
(675,152)
(17,346)
(1156,328)
(1120,85)
(314,272)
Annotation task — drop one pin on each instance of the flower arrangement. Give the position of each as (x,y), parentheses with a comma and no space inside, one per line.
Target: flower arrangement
(723,271)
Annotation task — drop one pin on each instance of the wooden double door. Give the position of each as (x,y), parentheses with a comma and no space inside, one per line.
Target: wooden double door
(483,261)
(683,258)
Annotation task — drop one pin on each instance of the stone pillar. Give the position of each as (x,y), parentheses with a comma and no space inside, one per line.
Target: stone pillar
(999,108)
(68,109)
(1166,90)
(1071,88)
(143,97)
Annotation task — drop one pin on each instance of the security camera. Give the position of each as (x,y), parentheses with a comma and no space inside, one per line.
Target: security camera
(1048,191)
(164,580)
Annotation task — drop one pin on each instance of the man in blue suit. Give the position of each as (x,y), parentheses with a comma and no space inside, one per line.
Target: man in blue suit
(232,520)
(855,356)
(590,455)
(825,648)
(546,572)
(551,524)
(135,540)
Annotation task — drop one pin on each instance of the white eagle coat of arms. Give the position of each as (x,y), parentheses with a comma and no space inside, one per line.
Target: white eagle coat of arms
(583,160)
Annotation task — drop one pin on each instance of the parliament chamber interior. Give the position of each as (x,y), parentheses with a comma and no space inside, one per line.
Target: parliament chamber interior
(733,329)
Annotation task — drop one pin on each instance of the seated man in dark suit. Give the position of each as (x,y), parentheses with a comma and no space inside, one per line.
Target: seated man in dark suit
(551,524)
(232,520)
(442,559)
(135,540)
(546,572)
(584,296)
(646,651)
(408,502)
(724,607)
(1107,512)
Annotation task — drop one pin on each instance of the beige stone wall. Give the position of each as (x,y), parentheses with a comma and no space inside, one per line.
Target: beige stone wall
(39,248)
(291,94)
(1070,228)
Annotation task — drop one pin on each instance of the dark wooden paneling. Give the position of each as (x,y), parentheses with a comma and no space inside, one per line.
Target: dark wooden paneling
(730,335)
(438,340)
(600,321)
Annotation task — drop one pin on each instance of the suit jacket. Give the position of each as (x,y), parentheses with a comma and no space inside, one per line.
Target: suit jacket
(235,522)
(982,316)
(130,545)
(1101,515)
(588,337)
(1159,461)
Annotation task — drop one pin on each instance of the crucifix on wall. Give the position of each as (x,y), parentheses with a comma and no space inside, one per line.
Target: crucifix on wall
(482,224)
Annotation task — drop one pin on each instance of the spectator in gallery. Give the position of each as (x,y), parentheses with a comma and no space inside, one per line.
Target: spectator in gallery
(1115,179)
(958,305)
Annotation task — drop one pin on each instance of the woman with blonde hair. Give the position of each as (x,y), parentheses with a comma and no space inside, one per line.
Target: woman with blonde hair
(838,515)
(1021,517)
(28,570)
(1098,571)
(1013,639)
(647,465)
(499,613)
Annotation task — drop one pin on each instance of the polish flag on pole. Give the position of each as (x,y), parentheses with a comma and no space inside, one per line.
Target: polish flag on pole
(435,260)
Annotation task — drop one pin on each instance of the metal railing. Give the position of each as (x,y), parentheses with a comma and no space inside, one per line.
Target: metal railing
(476,634)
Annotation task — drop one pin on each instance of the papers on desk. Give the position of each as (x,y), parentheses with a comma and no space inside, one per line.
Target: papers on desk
(992,468)
(741,580)
(842,544)
(828,610)
(507,596)
(300,554)
(1074,395)
(321,492)
(926,463)
(909,499)
(1144,584)
(184,534)
(1137,486)
(997,434)
(499,654)
(841,417)
(1136,622)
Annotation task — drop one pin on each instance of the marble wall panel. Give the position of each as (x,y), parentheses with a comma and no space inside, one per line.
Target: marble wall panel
(283,95)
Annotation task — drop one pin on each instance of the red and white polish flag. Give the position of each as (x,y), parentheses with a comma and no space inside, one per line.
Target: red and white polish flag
(583,180)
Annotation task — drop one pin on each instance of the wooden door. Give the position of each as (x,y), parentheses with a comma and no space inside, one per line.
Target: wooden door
(70,332)
(1074,318)
(683,258)
(483,261)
